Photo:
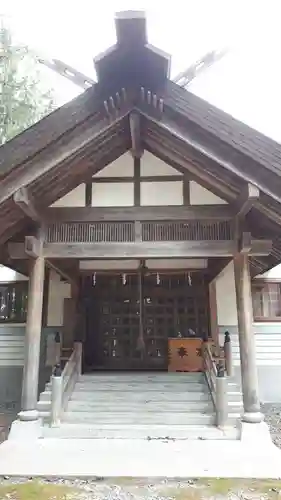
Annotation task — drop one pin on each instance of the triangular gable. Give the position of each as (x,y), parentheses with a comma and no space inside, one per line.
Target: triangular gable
(153,166)
(202,196)
(121,167)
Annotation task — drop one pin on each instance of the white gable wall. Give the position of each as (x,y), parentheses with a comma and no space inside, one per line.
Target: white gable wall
(152,193)
(151,166)
(202,196)
(75,198)
(122,167)
(113,194)
(162,193)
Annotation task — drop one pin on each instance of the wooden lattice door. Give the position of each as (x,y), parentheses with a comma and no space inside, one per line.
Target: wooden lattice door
(131,316)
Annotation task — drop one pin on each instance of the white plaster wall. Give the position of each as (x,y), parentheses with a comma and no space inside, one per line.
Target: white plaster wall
(226,297)
(113,194)
(122,167)
(8,275)
(58,291)
(75,198)
(201,196)
(153,166)
(161,193)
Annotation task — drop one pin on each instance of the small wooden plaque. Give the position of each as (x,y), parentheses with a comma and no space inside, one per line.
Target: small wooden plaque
(185,355)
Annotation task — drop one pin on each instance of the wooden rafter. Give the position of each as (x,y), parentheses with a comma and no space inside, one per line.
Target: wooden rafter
(144,213)
(222,157)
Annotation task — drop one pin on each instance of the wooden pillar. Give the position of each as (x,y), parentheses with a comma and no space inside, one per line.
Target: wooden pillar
(213,313)
(33,339)
(249,376)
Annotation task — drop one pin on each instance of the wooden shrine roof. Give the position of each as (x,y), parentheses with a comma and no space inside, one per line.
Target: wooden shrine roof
(72,143)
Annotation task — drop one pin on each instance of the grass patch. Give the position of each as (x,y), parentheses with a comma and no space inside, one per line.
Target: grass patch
(34,490)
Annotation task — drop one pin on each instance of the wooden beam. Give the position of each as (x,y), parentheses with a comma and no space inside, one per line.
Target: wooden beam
(135,131)
(92,214)
(25,202)
(33,246)
(140,250)
(247,200)
(249,245)
(175,249)
(145,178)
(261,247)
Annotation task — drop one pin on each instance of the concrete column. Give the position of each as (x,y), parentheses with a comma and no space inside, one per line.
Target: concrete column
(249,375)
(33,340)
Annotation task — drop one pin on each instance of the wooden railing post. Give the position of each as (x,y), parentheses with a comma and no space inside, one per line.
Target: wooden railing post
(78,350)
(228,354)
(221,396)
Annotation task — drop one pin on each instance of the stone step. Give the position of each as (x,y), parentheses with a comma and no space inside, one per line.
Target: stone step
(144,377)
(135,396)
(190,406)
(45,396)
(130,418)
(113,431)
(147,406)
(128,388)
(138,397)
(43,406)
(234,396)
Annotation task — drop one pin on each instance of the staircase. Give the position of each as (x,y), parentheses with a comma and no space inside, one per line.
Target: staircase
(140,406)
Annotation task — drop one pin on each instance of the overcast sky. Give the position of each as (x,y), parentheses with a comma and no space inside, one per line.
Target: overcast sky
(246,83)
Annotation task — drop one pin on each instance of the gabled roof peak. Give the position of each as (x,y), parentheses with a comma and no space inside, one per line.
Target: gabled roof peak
(132,59)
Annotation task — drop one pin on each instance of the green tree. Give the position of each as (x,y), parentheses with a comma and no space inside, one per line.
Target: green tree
(23,98)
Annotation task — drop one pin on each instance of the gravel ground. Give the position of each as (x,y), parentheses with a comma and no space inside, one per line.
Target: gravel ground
(272,414)
(139,489)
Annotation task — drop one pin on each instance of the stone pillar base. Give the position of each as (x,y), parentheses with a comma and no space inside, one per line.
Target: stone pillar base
(255,434)
(28,415)
(253,417)
(26,430)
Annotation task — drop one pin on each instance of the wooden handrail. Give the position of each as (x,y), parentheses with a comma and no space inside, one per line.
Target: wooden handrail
(214,372)
(63,384)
